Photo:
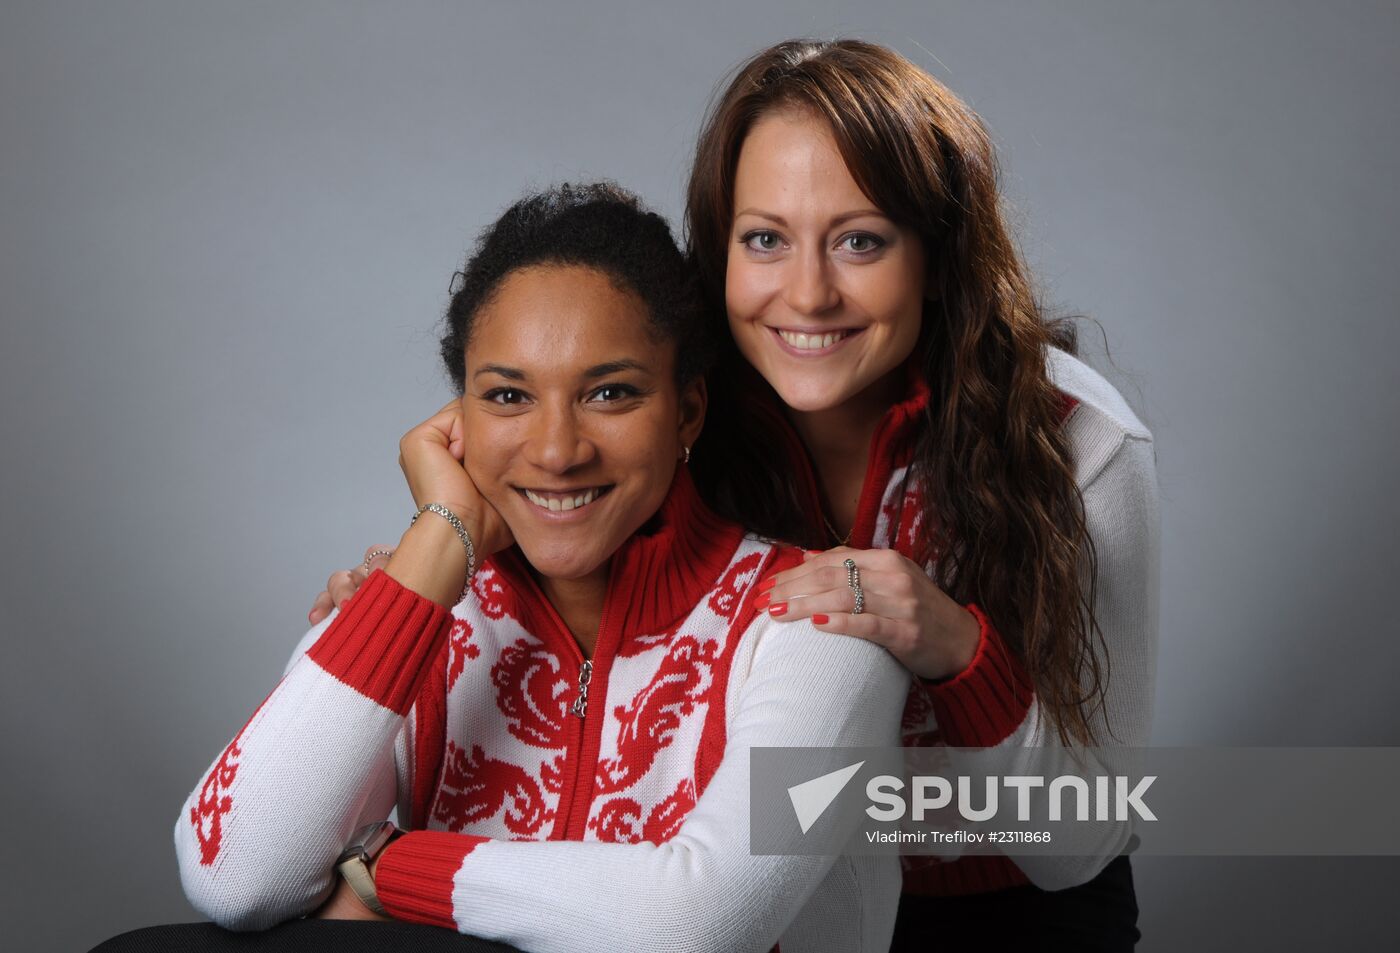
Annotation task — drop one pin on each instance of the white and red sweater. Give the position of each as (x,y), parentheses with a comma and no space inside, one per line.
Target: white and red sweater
(991,704)
(542,813)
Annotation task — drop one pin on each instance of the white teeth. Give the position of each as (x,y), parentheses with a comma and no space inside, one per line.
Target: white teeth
(557,504)
(811,342)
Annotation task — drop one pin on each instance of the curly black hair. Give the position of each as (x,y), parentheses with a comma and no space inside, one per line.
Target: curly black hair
(596,225)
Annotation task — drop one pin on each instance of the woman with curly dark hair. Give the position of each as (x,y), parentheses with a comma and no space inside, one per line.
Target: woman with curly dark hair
(557,678)
(892,393)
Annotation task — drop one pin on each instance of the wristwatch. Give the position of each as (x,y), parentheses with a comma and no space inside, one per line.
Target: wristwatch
(367,844)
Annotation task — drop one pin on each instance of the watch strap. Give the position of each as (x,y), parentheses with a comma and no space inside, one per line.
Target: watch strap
(354,863)
(357,875)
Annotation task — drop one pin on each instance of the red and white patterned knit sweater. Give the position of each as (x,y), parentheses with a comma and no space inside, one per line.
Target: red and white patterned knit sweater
(545,812)
(991,704)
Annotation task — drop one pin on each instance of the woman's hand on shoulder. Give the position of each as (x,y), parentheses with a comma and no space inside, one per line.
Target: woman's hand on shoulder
(904,611)
(343,582)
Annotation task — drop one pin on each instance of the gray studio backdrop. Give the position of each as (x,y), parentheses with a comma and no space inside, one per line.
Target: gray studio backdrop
(228,232)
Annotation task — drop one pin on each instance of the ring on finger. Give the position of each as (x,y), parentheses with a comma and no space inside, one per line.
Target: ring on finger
(374,554)
(853,580)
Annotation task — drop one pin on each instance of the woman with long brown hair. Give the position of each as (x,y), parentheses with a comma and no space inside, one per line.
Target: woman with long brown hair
(893,394)
(932,426)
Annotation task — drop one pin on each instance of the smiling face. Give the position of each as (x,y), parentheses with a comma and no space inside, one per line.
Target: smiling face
(574,421)
(824,291)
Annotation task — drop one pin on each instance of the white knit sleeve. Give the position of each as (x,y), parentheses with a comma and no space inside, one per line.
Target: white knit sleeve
(1121,511)
(702,890)
(257,838)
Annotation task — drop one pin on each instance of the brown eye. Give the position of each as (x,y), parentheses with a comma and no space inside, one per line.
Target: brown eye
(504,395)
(611,393)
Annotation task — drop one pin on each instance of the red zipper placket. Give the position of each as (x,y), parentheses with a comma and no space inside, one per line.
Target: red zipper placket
(588,710)
(584,713)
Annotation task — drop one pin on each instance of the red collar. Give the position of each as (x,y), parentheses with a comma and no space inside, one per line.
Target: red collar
(658,575)
(891,446)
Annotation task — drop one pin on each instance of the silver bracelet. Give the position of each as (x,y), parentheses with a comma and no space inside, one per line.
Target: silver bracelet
(462,534)
(375,555)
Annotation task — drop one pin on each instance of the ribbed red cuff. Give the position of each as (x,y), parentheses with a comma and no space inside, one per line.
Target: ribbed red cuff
(415,873)
(986,701)
(383,641)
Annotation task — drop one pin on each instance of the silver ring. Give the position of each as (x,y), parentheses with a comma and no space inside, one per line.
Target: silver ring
(378,552)
(853,580)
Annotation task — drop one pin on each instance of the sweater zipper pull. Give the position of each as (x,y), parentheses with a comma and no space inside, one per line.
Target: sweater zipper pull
(585,672)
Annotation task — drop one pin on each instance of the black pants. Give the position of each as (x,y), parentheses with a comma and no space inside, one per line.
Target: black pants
(1097,917)
(296,936)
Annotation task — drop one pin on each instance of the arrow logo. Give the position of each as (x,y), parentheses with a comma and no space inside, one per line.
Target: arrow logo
(810,799)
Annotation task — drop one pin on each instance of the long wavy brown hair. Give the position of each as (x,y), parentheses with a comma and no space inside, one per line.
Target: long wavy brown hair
(1006,517)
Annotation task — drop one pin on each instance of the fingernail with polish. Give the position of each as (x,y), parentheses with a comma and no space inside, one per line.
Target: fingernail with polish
(819,619)
(767,584)
(778,608)
(761,603)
